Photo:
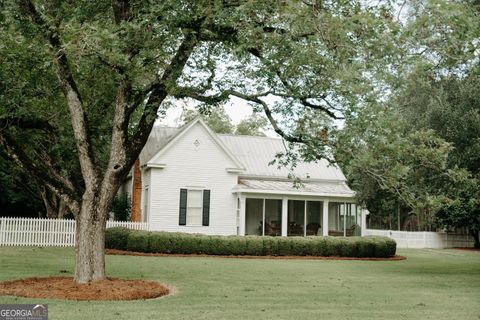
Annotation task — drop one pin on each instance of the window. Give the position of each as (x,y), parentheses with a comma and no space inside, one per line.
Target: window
(194,207)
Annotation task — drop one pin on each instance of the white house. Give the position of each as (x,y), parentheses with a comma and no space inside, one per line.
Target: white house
(197,181)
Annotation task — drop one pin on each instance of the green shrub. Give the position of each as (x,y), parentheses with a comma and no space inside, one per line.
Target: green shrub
(284,246)
(159,242)
(254,246)
(270,246)
(122,207)
(138,241)
(366,247)
(116,238)
(237,245)
(298,246)
(183,243)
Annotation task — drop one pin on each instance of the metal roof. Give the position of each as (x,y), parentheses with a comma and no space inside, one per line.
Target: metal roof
(334,189)
(254,153)
(158,138)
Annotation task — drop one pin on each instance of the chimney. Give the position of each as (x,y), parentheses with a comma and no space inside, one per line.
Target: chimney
(136,215)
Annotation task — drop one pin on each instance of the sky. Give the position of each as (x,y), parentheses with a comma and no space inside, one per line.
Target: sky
(236,108)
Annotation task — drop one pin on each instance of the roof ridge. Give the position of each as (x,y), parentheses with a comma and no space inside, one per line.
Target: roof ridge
(248,136)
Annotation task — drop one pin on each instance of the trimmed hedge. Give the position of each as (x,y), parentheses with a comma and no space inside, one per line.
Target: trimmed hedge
(184,243)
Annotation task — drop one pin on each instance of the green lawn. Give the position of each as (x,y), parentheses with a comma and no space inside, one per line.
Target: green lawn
(430,284)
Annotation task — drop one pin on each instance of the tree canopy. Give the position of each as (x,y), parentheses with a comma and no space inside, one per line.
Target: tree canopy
(220,122)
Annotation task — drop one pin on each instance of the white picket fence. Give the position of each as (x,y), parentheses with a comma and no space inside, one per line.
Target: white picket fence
(48,232)
(420,239)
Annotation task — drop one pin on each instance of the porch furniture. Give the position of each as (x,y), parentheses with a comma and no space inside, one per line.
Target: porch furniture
(339,233)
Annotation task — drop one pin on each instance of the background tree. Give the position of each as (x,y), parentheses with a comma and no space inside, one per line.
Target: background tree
(19,195)
(393,168)
(122,207)
(220,122)
(253,125)
(215,117)
(435,96)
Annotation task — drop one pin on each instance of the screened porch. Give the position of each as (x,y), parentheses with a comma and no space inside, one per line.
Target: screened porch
(270,216)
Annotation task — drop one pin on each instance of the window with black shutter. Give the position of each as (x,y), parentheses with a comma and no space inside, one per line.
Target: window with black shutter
(194,207)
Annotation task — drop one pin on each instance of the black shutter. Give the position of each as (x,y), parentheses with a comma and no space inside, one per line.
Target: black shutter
(206,208)
(183,207)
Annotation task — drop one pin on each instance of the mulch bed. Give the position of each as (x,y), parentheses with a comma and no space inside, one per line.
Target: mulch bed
(468,249)
(132,253)
(66,288)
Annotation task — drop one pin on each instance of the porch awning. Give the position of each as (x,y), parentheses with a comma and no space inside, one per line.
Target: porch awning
(313,188)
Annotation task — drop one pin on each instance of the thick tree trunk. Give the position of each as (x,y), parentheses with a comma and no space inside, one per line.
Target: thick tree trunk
(90,240)
(476,236)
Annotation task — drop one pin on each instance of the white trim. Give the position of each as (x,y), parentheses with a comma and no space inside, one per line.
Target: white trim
(325,217)
(286,179)
(154,165)
(284,216)
(297,193)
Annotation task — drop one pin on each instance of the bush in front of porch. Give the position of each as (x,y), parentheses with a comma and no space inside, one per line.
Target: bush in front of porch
(184,243)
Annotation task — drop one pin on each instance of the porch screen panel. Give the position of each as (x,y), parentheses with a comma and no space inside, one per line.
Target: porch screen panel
(314,217)
(253,216)
(352,222)
(273,217)
(335,219)
(296,218)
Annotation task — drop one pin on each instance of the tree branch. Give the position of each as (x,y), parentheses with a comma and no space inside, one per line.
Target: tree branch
(43,171)
(157,93)
(72,94)
(24,123)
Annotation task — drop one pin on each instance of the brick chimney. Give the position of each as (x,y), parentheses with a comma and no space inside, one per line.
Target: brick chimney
(136,215)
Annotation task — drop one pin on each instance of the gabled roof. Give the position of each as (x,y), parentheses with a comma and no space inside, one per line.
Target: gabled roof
(249,152)
(169,140)
(158,138)
(255,153)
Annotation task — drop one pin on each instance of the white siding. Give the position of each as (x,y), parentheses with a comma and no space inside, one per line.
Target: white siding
(146,174)
(197,167)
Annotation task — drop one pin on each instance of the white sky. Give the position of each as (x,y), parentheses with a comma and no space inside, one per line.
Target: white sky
(237,109)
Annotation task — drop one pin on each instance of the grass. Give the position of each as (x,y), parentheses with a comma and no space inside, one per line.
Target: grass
(430,284)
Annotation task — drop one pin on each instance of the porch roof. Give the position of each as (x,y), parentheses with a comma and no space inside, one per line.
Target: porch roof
(314,188)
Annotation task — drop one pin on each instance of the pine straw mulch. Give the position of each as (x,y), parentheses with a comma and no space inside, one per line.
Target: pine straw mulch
(132,253)
(468,249)
(66,288)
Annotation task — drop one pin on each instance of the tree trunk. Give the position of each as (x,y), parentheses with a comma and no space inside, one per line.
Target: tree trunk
(90,240)
(55,206)
(476,236)
(398,218)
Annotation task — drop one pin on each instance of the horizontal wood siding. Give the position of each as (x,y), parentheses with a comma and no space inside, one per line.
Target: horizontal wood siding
(190,166)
